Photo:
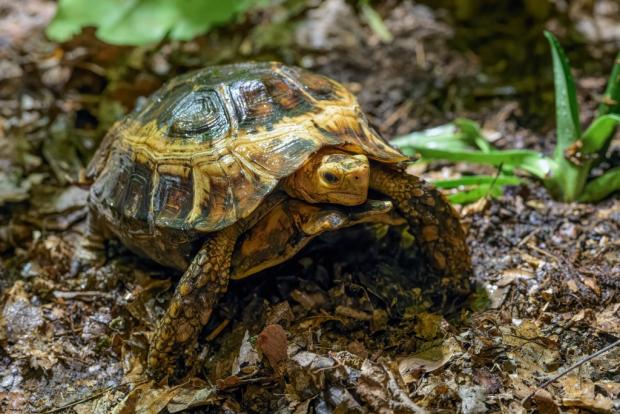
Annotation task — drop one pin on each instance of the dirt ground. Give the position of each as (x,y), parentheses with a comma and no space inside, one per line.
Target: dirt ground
(354,322)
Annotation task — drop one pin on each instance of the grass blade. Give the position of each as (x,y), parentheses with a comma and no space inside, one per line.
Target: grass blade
(375,22)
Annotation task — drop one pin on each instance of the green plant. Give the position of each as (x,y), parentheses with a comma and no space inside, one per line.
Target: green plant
(567,174)
(375,21)
(140,22)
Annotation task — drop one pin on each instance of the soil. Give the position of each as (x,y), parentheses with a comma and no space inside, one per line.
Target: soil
(351,324)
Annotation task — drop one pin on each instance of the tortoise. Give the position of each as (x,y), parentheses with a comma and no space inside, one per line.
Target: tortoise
(231,169)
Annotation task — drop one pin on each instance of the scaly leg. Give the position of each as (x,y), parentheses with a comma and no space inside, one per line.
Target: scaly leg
(198,291)
(200,287)
(433,222)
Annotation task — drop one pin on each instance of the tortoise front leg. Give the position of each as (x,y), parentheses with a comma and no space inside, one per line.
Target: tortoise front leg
(433,222)
(198,291)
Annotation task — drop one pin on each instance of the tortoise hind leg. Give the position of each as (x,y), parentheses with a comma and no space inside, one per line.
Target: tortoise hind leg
(433,222)
(198,291)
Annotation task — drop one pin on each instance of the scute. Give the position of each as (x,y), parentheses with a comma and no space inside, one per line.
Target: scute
(319,87)
(199,114)
(136,200)
(173,200)
(206,149)
(289,99)
(253,104)
(111,186)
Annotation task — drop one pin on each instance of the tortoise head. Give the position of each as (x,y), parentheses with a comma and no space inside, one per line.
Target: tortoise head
(331,177)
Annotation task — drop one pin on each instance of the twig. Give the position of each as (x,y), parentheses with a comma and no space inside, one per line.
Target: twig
(571,368)
(497,174)
(90,397)
(528,237)
(61,294)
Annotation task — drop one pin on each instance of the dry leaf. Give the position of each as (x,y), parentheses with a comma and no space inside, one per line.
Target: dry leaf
(273,344)
(428,360)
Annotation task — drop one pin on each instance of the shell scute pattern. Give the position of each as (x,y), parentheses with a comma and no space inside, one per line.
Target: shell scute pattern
(201,115)
(207,148)
(317,86)
(170,205)
(136,200)
(253,104)
(188,114)
(117,170)
(290,100)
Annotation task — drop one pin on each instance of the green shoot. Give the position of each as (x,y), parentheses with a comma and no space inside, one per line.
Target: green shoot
(375,21)
(473,180)
(611,100)
(567,172)
(474,187)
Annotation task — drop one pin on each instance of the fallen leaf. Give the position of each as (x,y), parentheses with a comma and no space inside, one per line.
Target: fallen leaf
(545,403)
(190,397)
(580,392)
(609,319)
(247,359)
(428,360)
(592,284)
(472,399)
(273,344)
(378,387)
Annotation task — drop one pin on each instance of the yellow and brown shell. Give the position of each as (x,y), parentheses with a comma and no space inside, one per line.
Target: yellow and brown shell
(206,149)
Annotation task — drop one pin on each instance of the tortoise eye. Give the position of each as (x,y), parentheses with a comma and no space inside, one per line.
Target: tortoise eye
(330,178)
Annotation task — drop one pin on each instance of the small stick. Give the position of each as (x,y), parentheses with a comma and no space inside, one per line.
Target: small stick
(528,237)
(88,398)
(87,294)
(218,330)
(571,368)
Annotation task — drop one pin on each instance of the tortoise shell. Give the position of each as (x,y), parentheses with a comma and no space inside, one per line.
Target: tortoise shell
(206,148)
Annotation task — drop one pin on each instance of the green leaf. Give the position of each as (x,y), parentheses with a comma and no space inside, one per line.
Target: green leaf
(601,187)
(375,21)
(140,22)
(72,15)
(463,141)
(611,99)
(443,136)
(566,107)
(471,180)
(599,133)
(473,133)
(463,134)
(567,179)
(530,161)
(466,197)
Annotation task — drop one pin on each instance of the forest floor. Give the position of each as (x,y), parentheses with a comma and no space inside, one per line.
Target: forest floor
(346,325)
